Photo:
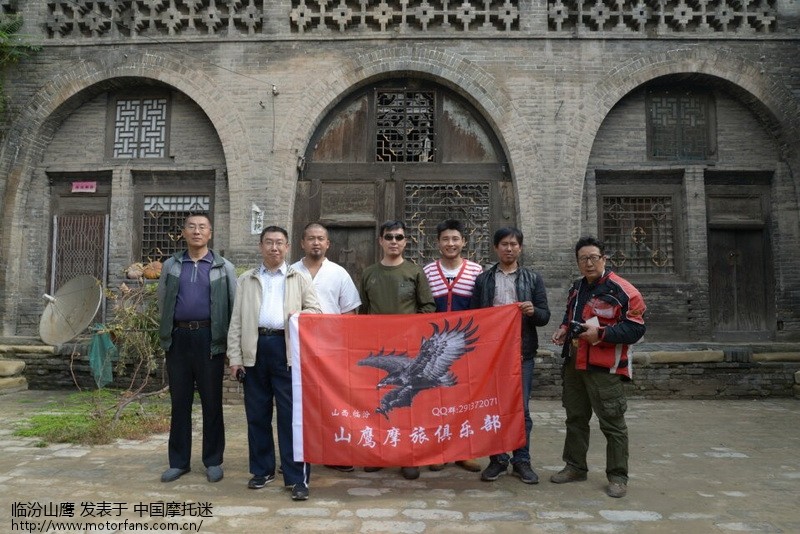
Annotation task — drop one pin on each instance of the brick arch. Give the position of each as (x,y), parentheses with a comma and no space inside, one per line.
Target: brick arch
(42,111)
(745,75)
(40,118)
(443,67)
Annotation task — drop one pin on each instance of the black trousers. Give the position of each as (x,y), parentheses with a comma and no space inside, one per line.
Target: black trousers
(190,365)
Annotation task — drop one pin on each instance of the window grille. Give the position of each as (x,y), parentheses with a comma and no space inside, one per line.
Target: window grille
(638,232)
(680,126)
(405,126)
(140,128)
(426,205)
(162,223)
(80,241)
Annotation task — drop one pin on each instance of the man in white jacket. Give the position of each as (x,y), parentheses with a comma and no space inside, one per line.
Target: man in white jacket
(257,341)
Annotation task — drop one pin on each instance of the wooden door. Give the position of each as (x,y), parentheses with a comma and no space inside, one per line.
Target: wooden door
(738,283)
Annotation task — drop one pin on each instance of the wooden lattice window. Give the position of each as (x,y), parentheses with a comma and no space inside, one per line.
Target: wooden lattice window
(140,127)
(681,125)
(162,222)
(428,204)
(640,225)
(405,126)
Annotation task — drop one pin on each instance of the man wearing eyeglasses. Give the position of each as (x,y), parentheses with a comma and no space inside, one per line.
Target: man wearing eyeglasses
(394,286)
(195,297)
(266,297)
(604,317)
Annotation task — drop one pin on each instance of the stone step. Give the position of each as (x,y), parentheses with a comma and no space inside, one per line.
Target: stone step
(27,349)
(11,368)
(13,384)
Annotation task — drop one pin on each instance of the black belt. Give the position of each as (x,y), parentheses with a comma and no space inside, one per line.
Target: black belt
(193,325)
(262,331)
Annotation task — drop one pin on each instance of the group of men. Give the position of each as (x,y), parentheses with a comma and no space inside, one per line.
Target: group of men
(208,314)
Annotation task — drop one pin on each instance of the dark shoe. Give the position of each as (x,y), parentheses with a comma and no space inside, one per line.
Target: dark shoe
(617,489)
(568,474)
(342,468)
(372,469)
(469,465)
(258,482)
(410,473)
(214,473)
(299,492)
(493,471)
(525,472)
(436,467)
(173,473)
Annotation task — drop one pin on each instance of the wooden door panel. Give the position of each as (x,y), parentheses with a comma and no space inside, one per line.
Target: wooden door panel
(353,248)
(737,280)
(751,281)
(722,279)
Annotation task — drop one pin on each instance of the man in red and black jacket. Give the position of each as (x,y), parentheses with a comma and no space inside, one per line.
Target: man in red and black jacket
(604,317)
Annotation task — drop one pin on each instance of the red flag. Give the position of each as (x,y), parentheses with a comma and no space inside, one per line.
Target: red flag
(391,390)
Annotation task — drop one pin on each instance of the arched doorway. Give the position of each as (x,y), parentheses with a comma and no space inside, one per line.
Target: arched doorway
(403,149)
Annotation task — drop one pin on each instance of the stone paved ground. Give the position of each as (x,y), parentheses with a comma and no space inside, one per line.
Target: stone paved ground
(696,466)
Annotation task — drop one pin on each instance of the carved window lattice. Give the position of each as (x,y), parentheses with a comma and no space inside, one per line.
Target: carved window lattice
(71,19)
(404,126)
(140,128)
(79,247)
(679,126)
(162,222)
(426,205)
(662,16)
(404,15)
(638,232)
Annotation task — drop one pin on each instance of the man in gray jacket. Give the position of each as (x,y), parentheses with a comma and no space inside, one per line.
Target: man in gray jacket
(195,296)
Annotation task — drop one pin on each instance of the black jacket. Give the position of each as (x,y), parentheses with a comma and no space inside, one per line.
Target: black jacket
(529,287)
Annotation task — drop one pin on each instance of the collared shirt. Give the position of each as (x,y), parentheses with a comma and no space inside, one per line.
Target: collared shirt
(505,291)
(335,289)
(193,302)
(272,284)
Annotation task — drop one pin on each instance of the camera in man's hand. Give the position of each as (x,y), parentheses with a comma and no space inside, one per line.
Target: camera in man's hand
(576,328)
(240,375)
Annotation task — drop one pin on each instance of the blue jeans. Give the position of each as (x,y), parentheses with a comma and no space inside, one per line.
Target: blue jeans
(523,454)
(271,378)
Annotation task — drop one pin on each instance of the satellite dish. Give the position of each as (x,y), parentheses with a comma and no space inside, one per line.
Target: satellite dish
(71,310)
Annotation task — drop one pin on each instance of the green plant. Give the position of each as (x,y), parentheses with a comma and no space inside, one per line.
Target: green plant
(90,418)
(134,329)
(13,46)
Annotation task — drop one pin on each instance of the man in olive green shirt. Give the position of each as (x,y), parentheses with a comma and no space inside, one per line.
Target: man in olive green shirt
(394,286)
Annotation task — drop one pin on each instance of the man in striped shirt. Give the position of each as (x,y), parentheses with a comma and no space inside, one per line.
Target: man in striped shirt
(452,279)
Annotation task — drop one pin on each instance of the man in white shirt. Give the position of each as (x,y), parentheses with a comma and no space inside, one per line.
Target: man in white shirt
(257,339)
(335,289)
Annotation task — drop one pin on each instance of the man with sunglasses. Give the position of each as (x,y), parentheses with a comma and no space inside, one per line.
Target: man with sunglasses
(394,286)
(604,317)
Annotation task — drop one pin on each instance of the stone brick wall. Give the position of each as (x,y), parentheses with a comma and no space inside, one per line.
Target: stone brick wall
(563,105)
(710,376)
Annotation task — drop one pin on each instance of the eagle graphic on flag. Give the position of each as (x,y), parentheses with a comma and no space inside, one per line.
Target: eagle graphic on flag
(430,369)
(417,389)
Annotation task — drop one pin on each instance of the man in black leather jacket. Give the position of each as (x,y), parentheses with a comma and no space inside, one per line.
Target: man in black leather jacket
(507,282)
